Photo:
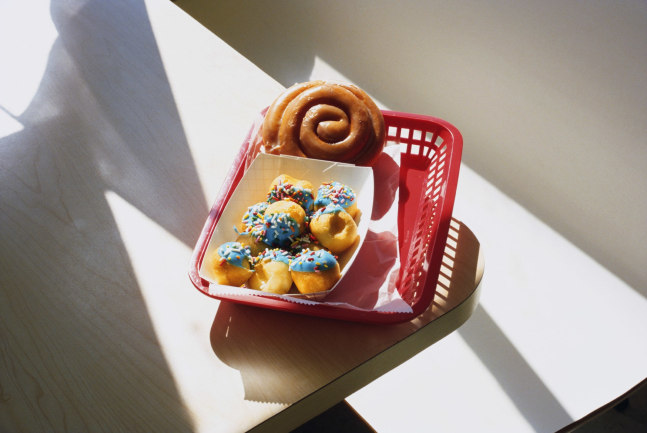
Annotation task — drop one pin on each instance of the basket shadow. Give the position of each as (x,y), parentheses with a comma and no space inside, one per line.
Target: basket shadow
(460,273)
(282,357)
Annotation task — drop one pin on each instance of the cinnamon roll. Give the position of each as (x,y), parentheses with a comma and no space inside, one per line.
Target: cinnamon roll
(322,120)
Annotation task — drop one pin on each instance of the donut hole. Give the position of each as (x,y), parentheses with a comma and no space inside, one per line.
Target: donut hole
(230,275)
(336,231)
(288,208)
(255,245)
(339,226)
(271,276)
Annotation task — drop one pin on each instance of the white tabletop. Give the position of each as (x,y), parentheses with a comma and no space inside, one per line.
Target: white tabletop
(118,123)
(550,98)
(110,152)
(555,335)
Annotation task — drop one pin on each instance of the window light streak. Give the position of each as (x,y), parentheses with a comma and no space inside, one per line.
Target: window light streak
(178,330)
(27,34)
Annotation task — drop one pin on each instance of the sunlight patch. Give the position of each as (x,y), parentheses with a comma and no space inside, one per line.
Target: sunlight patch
(8,125)
(24,54)
(179,314)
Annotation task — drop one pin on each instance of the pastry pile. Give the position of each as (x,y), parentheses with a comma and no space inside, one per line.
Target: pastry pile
(291,241)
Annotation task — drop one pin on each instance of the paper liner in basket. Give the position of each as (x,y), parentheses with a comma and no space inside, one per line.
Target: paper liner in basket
(253,188)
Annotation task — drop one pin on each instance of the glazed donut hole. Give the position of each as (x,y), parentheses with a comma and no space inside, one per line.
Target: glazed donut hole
(336,230)
(285,187)
(289,208)
(336,193)
(284,221)
(252,220)
(314,271)
(352,210)
(230,275)
(254,243)
(230,264)
(271,273)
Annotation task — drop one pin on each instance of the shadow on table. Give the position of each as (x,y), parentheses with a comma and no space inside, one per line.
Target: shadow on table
(275,351)
(525,388)
(83,353)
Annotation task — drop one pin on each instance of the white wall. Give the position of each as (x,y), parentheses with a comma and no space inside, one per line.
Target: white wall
(551,96)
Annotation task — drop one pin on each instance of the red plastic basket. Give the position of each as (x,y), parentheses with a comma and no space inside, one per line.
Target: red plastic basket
(430,161)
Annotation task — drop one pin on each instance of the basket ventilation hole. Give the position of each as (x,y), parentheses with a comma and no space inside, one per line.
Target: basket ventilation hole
(448,261)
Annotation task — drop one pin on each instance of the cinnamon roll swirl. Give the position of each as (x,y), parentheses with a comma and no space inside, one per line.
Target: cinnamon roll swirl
(323,120)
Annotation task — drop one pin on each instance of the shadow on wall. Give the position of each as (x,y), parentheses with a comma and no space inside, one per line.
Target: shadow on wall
(551,97)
